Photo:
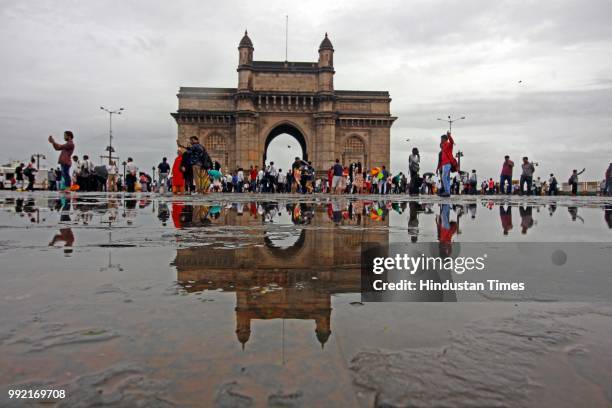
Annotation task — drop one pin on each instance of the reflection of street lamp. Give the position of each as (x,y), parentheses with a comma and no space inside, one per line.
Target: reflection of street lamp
(123,183)
(109,148)
(110,251)
(451,121)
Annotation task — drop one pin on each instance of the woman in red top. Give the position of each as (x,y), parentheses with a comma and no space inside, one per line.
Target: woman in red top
(178,181)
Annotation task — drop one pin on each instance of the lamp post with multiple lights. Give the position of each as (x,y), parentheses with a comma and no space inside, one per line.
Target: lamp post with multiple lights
(110,129)
(451,121)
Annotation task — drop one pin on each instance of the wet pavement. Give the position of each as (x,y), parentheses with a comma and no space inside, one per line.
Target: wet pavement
(253,300)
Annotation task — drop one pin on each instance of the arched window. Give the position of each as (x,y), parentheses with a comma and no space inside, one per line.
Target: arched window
(354,151)
(215,143)
(216,146)
(354,145)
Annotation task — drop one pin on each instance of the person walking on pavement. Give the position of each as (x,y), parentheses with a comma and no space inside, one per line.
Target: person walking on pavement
(30,172)
(131,175)
(527,175)
(573,181)
(414,165)
(506,176)
(163,171)
(553,185)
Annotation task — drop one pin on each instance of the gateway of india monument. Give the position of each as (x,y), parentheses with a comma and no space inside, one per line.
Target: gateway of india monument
(236,125)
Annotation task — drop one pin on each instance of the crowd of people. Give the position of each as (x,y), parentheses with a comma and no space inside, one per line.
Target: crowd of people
(194,172)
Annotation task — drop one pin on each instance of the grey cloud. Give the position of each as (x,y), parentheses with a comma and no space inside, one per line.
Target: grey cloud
(62,60)
(513,109)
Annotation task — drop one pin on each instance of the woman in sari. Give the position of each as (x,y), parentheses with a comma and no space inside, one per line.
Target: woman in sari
(178,180)
(297,177)
(358,182)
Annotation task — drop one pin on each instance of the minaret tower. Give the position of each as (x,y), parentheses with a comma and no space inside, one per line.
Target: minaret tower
(245,61)
(326,65)
(325,119)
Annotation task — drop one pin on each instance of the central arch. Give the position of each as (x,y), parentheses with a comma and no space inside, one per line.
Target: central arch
(290,130)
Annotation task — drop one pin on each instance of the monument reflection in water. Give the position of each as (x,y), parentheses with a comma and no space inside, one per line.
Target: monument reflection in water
(282,274)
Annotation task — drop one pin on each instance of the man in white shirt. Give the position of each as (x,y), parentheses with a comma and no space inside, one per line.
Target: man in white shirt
(281,181)
(240,176)
(272,176)
(260,177)
(111,182)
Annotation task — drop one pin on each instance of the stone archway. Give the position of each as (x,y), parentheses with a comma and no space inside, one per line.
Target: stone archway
(290,251)
(286,128)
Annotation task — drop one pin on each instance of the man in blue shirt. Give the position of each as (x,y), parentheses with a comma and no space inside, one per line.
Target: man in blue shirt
(337,179)
(163,170)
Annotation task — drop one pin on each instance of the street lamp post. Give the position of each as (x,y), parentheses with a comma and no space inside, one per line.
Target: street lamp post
(38,157)
(459,155)
(451,121)
(110,129)
(123,183)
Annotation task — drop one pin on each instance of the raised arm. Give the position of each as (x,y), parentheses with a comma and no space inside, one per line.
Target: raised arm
(56,145)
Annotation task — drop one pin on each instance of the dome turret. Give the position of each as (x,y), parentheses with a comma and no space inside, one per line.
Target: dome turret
(326,44)
(246,41)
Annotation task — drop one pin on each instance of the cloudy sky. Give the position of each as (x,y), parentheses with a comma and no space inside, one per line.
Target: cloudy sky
(61,60)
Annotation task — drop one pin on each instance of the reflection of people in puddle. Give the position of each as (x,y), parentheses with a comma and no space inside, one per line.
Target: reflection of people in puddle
(526,218)
(130,211)
(163,212)
(19,206)
(574,214)
(65,209)
(446,230)
(336,211)
(301,213)
(413,220)
(64,235)
(551,209)
(357,211)
(472,210)
(505,215)
(187,216)
(177,209)
(608,215)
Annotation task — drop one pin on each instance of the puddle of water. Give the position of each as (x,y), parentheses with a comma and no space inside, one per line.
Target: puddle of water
(242,301)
